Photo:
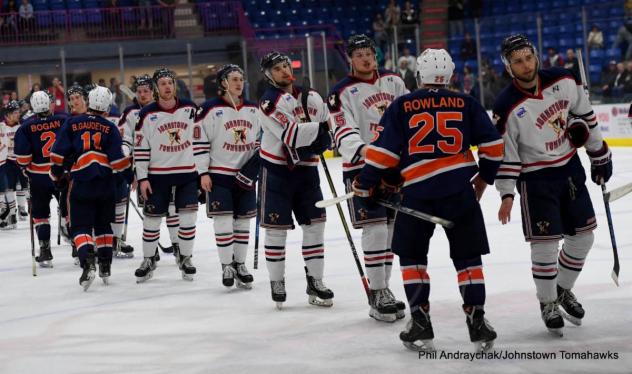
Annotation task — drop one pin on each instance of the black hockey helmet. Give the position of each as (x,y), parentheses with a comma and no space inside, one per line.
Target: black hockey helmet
(359,42)
(76,89)
(12,106)
(224,71)
(514,43)
(163,73)
(143,80)
(273,58)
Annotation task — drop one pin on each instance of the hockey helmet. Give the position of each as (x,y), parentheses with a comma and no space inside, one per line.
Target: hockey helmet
(358,42)
(270,60)
(100,99)
(143,80)
(163,73)
(40,102)
(76,89)
(13,106)
(434,66)
(514,43)
(223,73)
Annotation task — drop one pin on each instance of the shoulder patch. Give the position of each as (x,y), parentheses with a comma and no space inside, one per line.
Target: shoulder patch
(333,101)
(267,107)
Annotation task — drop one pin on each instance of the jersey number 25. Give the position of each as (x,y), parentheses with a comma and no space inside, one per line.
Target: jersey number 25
(453,141)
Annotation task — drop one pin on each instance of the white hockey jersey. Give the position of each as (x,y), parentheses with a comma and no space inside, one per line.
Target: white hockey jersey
(533,127)
(357,106)
(225,137)
(284,124)
(4,144)
(127,126)
(9,132)
(164,141)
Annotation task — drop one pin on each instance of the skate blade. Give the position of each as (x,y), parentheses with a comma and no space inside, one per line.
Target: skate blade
(426,346)
(279,305)
(228,285)
(106,280)
(245,286)
(382,317)
(124,255)
(77,261)
(86,284)
(574,320)
(145,278)
(188,277)
(314,300)
(46,264)
(559,332)
(483,346)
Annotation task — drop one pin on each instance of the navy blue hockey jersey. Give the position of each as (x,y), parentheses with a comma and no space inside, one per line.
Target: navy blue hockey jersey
(427,134)
(92,144)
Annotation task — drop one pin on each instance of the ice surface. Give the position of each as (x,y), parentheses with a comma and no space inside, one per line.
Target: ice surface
(167,325)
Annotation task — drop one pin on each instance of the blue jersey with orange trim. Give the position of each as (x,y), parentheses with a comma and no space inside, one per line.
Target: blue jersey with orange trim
(33,143)
(427,135)
(93,145)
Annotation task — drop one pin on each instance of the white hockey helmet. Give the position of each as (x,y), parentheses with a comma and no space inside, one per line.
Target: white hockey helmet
(100,99)
(40,102)
(434,66)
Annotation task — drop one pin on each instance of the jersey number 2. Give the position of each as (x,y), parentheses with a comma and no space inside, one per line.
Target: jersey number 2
(49,138)
(437,122)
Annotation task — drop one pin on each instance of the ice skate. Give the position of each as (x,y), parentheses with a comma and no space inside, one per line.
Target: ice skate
(228,275)
(382,306)
(74,254)
(65,235)
(45,258)
(318,294)
(89,272)
(169,249)
(401,306)
(552,318)
(186,267)
(418,334)
(121,249)
(242,276)
(22,213)
(104,271)
(482,334)
(571,309)
(146,270)
(176,252)
(278,293)
(11,223)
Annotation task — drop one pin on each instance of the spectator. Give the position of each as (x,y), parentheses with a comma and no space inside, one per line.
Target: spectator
(412,60)
(14,96)
(59,95)
(627,80)
(624,37)
(455,17)
(468,47)
(210,84)
(10,22)
(571,62)
(407,75)
(101,82)
(595,38)
(388,61)
(118,98)
(553,58)
(409,14)
(35,87)
(182,91)
(392,15)
(468,79)
(27,22)
(167,8)
(112,16)
(615,87)
(608,74)
(146,16)
(379,31)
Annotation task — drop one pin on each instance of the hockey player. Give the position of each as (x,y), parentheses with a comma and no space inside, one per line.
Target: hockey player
(94,146)
(165,166)
(428,134)
(290,181)
(227,156)
(357,103)
(544,116)
(4,151)
(13,174)
(33,143)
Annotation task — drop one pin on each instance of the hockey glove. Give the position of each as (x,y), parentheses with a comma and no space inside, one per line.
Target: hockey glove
(323,139)
(600,164)
(392,182)
(367,195)
(577,132)
(61,183)
(249,173)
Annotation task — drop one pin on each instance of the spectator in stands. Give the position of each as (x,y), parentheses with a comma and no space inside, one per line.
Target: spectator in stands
(388,61)
(9,25)
(146,16)
(627,80)
(468,79)
(182,91)
(27,21)
(101,82)
(624,37)
(210,84)
(59,95)
(455,17)
(412,60)
(406,74)
(409,20)
(552,58)
(614,88)
(379,31)
(608,74)
(35,87)
(112,16)
(571,62)
(468,47)
(392,15)
(167,9)
(118,97)
(14,96)
(595,38)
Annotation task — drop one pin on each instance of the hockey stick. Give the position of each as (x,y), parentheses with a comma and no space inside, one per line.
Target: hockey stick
(334,201)
(606,202)
(140,214)
(255,265)
(365,282)
(415,213)
(618,192)
(129,192)
(58,225)
(129,93)
(32,224)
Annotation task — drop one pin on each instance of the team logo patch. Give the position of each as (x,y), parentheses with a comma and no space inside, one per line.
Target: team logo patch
(354,90)
(219,113)
(266,107)
(215,205)
(153,117)
(149,208)
(333,101)
(363,213)
(273,217)
(557,123)
(174,136)
(543,226)
(239,134)
(521,112)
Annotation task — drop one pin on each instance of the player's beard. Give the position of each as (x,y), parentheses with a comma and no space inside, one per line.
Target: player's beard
(528,79)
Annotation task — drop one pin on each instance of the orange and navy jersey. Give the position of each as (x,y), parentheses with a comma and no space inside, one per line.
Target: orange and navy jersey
(427,134)
(93,145)
(33,143)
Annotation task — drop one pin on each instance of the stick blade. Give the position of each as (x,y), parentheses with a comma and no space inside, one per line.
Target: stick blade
(615,277)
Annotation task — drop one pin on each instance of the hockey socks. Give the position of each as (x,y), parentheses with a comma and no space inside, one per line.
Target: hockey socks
(224,237)
(119,218)
(173,222)
(242,235)
(416,282)
(186,232)
(374,238)
(151,235)
(85,247)
(275,253)
(544,270)
(471,280)
(42,228)
(314,249)
(571,258)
